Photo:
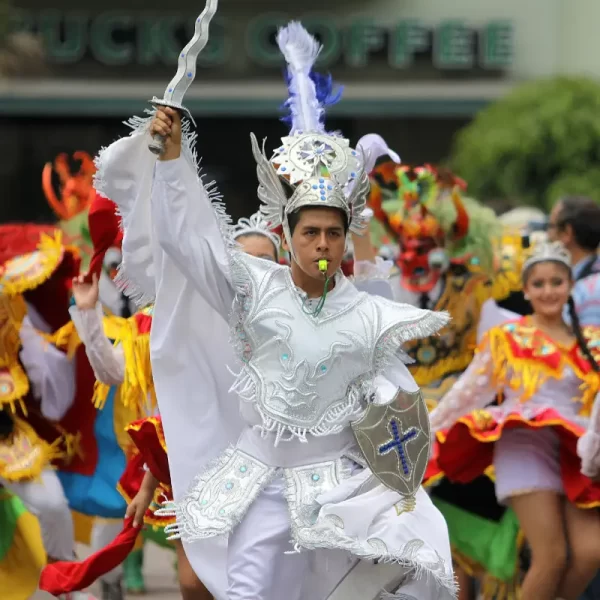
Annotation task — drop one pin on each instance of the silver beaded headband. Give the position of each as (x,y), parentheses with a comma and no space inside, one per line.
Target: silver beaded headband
(548,252)
(255,225)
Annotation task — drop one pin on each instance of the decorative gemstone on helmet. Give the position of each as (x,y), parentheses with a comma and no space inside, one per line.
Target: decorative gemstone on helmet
(302,154)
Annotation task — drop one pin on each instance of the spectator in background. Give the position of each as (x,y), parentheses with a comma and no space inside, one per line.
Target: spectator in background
(575,221)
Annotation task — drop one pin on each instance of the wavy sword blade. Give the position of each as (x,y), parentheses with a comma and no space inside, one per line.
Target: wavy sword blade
(186,72)
(186,63)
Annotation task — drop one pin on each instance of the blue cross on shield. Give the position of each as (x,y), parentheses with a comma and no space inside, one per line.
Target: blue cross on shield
(395,441)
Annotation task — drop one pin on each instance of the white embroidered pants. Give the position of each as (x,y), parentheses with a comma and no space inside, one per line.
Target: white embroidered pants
(258,567)
(45,499)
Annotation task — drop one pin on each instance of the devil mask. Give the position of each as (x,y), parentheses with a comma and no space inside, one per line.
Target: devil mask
(411,220)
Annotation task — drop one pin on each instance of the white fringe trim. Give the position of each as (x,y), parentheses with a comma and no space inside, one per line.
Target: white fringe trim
(124,280)
(371,549)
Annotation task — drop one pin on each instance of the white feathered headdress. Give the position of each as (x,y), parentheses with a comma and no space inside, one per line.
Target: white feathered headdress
(311,167)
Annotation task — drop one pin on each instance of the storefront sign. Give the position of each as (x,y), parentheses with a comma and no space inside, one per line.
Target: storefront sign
(118,39)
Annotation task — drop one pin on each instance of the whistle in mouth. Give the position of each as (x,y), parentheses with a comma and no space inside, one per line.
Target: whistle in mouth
(323,266)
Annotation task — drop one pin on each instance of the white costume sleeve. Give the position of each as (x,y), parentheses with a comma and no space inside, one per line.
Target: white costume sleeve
(474,389)
(107,361)
(189,340)
(124,167)
(189,233)
(395,376)
(588,446)
(50,372)
(373,277)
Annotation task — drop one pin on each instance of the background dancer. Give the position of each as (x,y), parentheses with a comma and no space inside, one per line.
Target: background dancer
(38,387)
(541,366)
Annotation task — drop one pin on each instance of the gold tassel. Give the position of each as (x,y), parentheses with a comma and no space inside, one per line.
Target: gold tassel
(137,390)
(100,394)
(407,504)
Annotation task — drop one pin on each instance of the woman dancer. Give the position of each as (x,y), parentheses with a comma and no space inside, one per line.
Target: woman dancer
(548,376)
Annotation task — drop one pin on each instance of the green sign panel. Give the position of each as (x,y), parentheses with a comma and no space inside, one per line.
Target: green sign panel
(116,39)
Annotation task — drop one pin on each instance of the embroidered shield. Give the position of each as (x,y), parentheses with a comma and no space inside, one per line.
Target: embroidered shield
(395,440)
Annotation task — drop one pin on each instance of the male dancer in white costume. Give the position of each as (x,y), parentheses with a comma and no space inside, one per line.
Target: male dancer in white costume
(313,352)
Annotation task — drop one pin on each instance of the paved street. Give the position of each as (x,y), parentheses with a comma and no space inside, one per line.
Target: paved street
(159,571)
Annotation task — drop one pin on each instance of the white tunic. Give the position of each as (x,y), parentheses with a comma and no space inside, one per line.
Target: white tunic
(334,503)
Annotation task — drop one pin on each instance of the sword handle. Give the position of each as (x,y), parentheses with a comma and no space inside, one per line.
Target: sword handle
(157,145)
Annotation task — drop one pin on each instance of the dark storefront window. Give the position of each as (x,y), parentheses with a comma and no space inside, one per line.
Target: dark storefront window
(224,143)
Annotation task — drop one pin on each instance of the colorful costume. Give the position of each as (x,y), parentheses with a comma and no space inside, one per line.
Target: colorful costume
(548,393)
(447,261)
(297,469)
(123,393)
(534,438)
(37,386)
(124,389)
(118,399)
(94,492)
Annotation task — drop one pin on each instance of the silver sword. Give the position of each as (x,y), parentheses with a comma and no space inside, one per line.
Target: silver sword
(186,71)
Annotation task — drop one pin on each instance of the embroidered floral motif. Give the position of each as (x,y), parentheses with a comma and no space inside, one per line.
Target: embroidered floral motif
(218,498)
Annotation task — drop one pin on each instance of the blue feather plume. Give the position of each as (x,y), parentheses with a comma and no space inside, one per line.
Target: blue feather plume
(328,93)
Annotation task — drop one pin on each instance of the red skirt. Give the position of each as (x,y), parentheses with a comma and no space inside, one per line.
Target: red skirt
(149,439)
(150,450)
(466,450)
(130,483)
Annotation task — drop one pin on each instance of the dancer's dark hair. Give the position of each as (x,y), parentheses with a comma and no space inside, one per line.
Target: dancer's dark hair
(578,332)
